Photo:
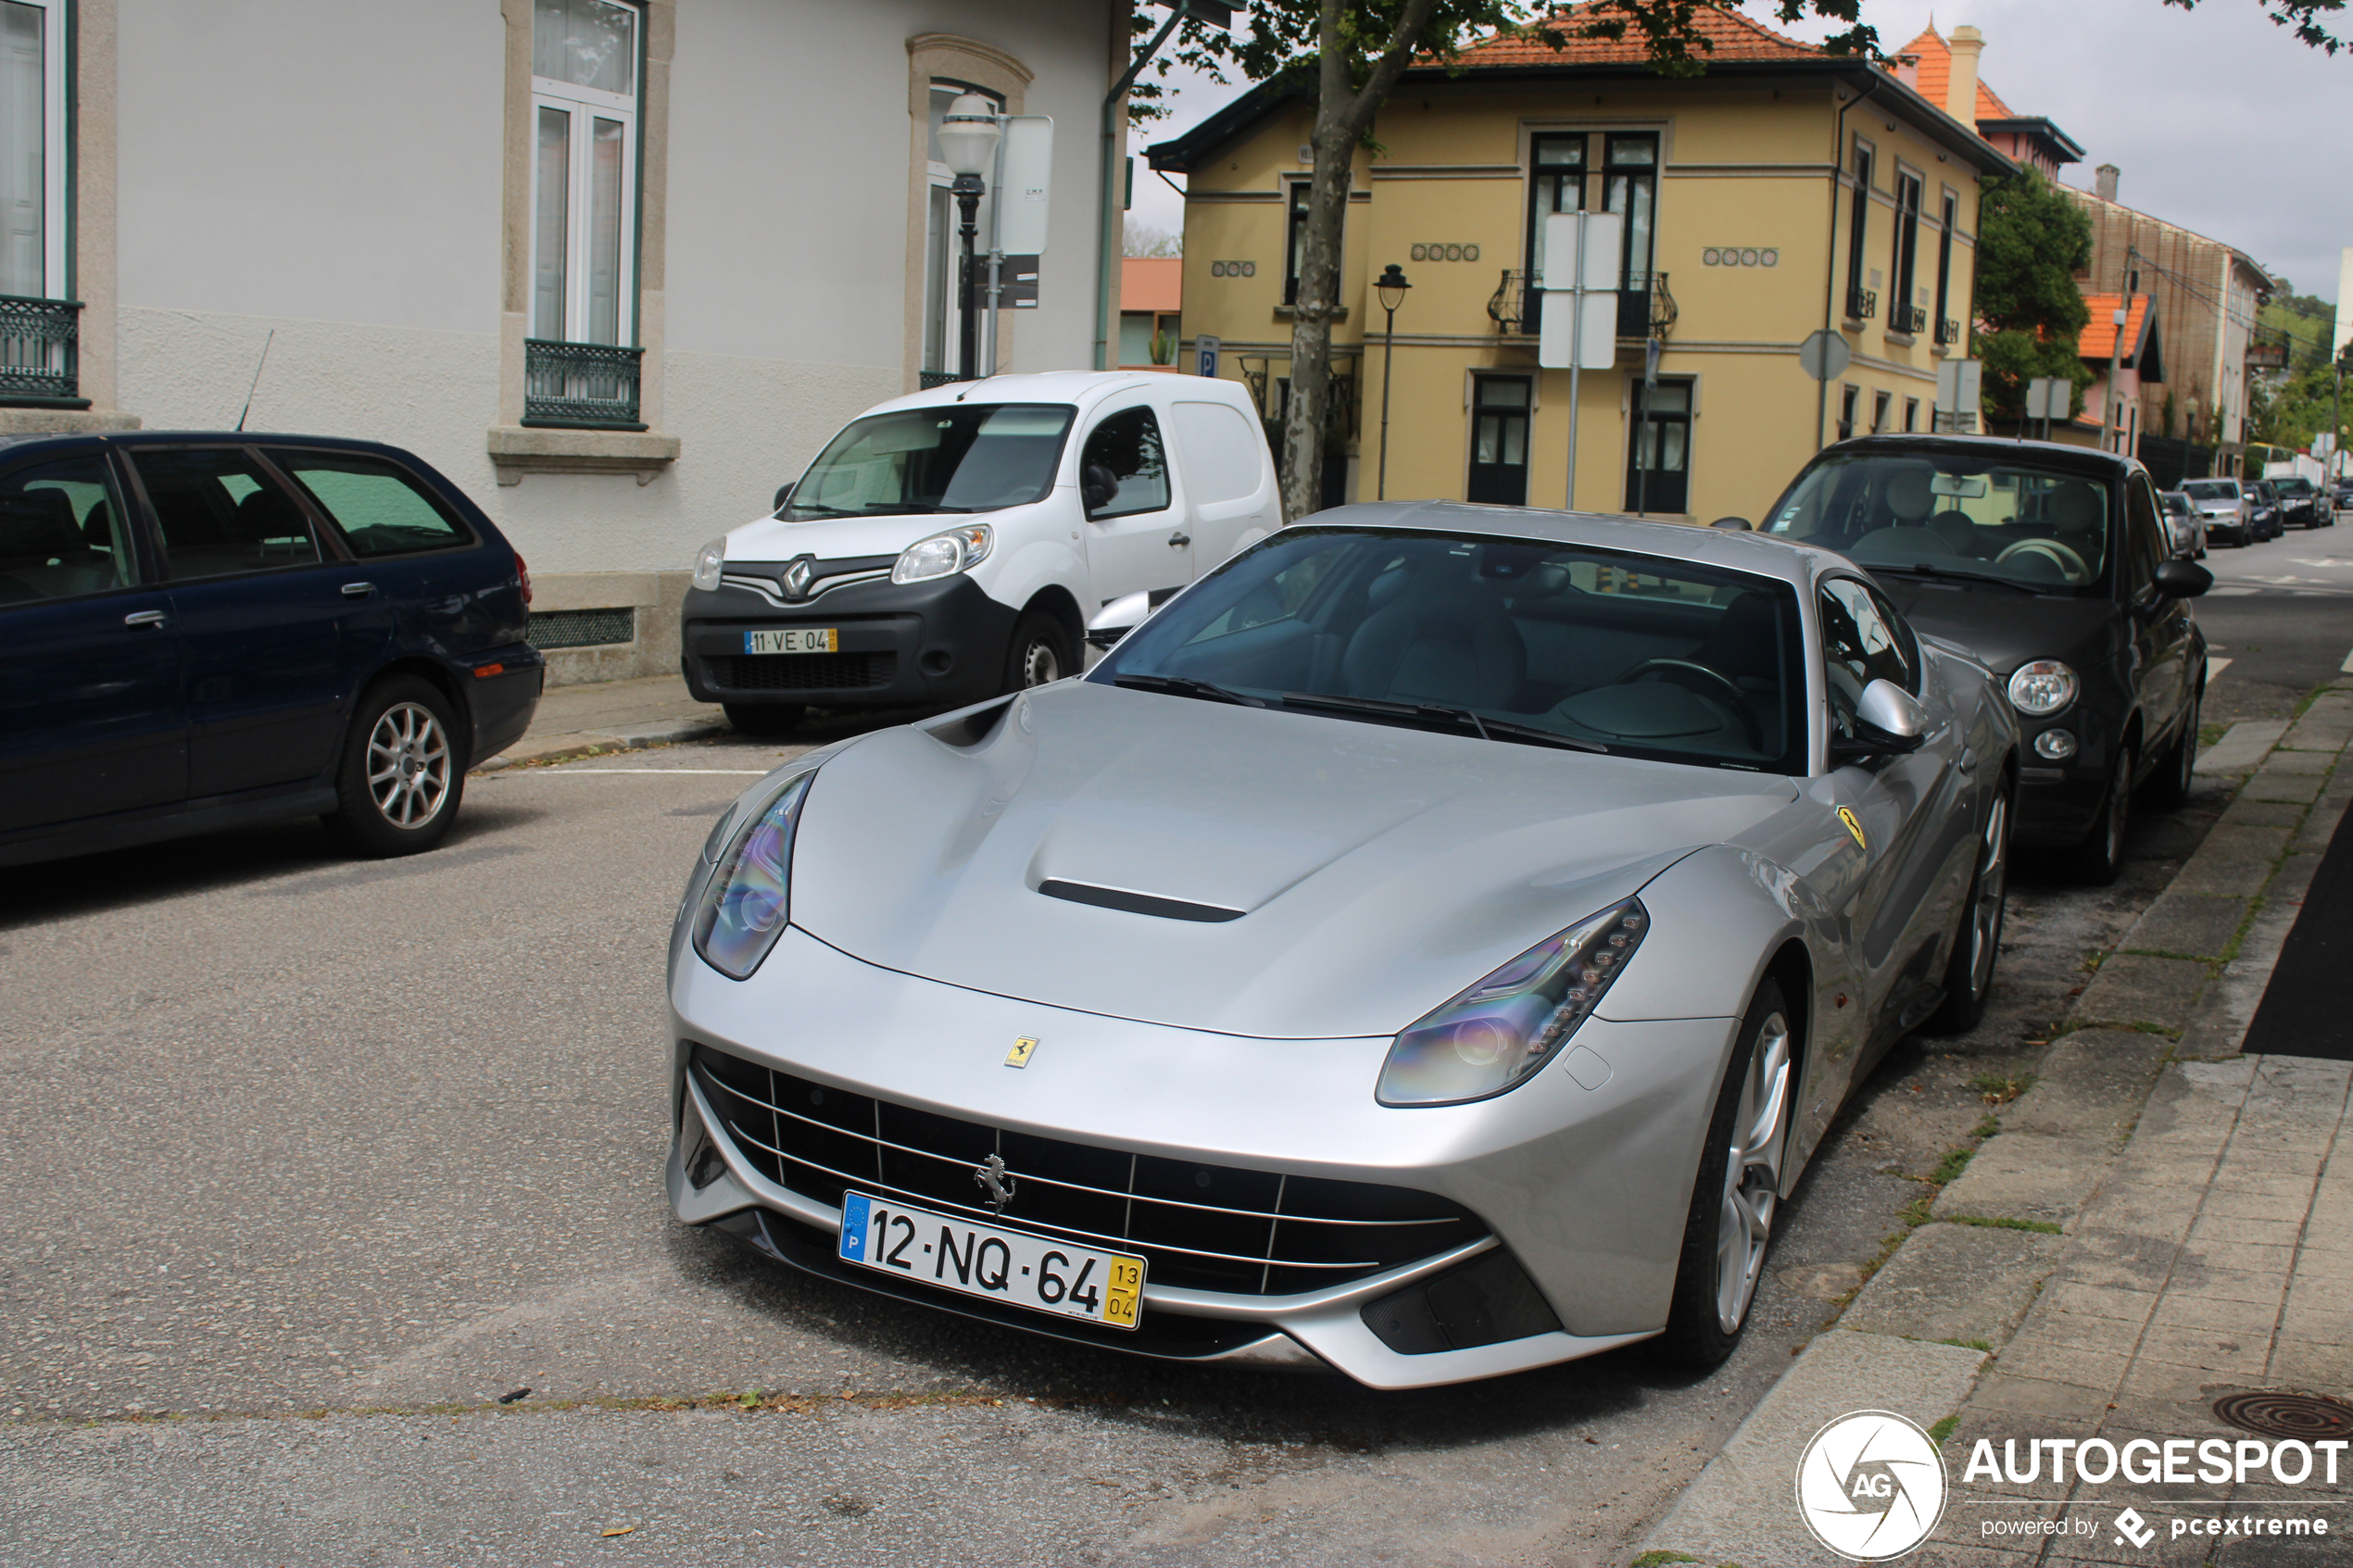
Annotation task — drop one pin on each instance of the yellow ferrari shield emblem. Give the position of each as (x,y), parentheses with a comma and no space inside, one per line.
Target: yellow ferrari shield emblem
(1019,1056)
(1854,825)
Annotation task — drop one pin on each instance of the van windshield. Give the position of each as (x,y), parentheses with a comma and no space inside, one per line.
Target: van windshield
(962,457)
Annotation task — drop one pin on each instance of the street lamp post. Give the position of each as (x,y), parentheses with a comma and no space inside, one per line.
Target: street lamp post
(968,135)
(1391,286)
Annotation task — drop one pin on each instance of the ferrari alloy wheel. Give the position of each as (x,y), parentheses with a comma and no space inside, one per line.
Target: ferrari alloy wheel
(1736,1193)
(1969,974)
(402,773)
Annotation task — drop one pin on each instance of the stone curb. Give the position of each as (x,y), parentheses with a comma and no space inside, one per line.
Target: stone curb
(1958,1287)
(564,749)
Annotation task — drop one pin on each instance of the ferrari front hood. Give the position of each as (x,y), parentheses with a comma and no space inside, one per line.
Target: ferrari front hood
(1315,876)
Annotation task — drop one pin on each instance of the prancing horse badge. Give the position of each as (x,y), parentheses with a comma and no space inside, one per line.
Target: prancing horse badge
(1019,1056)
(1854,825)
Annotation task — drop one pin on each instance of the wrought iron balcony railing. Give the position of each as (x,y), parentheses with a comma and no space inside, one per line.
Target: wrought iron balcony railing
(926,379)
(1906,319)
(1948,331)
(1861,304)
(580,385)
(1643,305)
(40,342)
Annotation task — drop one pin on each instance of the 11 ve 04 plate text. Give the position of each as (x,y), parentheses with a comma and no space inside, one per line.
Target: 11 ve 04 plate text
(817,639)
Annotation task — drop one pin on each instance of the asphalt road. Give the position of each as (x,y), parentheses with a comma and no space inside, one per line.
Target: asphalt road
(335,1234)
(2282,613)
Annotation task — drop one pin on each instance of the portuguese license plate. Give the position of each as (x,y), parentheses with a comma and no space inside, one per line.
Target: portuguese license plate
(817,639)
(1036,1272)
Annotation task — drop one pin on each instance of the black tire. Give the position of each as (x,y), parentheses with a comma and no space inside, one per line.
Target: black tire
(765,718)
(2168,788)
(2101,854)
(1968,973)
(1697,1337)
(403,772)
(1040,651)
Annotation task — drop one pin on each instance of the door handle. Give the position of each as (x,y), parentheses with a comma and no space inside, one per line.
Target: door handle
(1180,539)
(358,590)
(143,618)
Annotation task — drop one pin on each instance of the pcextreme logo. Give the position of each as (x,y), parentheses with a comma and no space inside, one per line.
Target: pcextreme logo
(1871,1485)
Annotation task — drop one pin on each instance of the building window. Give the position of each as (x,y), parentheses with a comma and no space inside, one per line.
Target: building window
(583,98)
(1860,302)
(1499,441)
(1629,187)
(1658,468)
(1294,240)
(1946,330)
(1911,415)
(1846,398)
(1556,184)
(33,149)
(1880,402)
(943,242)
(1902,314)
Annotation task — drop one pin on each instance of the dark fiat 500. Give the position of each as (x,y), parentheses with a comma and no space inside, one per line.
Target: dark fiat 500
(202,630)
(2049,563)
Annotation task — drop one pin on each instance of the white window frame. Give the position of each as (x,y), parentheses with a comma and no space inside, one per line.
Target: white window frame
(585,106)
(53,216)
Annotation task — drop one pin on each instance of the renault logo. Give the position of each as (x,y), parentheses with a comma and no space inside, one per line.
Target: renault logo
(993,1180)
(797,578)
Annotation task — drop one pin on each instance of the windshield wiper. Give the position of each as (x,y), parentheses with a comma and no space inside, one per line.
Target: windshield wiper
(1924,570)
(1427,712)
(1185,685)
(912,508)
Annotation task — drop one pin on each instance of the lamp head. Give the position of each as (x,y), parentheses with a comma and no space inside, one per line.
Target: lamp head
(1391,286)
(968,135)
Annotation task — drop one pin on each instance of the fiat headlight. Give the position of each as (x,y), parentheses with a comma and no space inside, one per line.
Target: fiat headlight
(944,555)
(746,901)
(710,562)
(1497,1033)
(2041,689)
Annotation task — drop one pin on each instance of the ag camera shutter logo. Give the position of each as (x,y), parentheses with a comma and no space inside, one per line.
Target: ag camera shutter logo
(1871,1485)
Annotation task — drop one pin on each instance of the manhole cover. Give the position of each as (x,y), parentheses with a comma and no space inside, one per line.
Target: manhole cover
(2277,1414)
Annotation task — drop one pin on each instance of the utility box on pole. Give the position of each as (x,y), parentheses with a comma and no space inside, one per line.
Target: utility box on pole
(1960,386)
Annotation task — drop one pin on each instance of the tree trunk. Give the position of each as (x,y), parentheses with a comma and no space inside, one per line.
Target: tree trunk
(1342,116)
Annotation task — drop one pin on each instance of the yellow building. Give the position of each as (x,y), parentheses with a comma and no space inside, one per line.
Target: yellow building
(1782,192)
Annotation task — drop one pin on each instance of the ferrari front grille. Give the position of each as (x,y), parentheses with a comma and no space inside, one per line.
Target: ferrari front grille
(1203,1226)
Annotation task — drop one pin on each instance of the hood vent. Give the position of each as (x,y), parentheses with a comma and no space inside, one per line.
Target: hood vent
(1135,903)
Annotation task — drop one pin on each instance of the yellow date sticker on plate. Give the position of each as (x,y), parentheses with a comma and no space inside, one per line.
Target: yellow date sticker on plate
(1124,1289)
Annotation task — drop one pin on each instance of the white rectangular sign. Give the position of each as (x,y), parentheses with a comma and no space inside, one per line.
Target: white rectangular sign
(1604,236)
(1025,184)
(2048,397)
(1596,347)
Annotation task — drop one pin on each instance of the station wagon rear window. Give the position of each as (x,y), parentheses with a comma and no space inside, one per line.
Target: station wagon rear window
(380,510)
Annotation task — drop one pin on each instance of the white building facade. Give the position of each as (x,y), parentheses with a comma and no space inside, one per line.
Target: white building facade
(618,267)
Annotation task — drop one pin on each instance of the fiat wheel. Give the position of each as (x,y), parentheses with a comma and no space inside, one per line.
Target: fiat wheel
(1968,973)
(2101,856)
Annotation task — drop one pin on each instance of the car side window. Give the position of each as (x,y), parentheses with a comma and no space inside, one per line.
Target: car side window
(2145,544)
(222,514)
(1860,644)
(61,532)
(381,509)
(1125,457)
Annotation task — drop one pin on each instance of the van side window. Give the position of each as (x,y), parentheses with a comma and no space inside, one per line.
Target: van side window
(1126,449)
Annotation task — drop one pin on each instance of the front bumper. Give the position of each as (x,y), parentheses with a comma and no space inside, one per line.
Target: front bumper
(1586,1189)
(940,643)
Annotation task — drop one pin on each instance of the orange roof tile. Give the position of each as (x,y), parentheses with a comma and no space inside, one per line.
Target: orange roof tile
(1151,283)
(2098,340)
(1936,75)
(1735,37)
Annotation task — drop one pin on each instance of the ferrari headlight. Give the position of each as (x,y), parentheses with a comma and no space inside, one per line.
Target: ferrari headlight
(943,554)
(745,902)
(710,562)
(2041,689)
(1498,1033)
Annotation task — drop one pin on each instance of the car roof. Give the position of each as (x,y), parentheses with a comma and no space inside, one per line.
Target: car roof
(15,444)
(1731,549)
(2058,454)
(1083,388)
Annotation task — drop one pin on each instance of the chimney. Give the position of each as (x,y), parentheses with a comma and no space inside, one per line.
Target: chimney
(1907,70)
(2104,182)
(1961,89)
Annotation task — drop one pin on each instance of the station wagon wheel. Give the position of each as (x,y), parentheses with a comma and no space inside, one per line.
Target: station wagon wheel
(402,772)
(1737,1191)
(1968,973)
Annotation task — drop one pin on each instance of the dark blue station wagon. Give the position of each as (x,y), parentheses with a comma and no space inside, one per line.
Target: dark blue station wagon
(199,631)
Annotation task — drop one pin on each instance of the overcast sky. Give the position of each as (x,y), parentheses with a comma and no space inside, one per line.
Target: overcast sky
(2221,121)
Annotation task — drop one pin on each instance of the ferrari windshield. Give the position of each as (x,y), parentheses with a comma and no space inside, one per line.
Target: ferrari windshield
(1955,515)
(959,457)
(1506,640)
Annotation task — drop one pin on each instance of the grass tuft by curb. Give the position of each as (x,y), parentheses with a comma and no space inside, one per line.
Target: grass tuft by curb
(2000,1088)
(1663,1559)
(2004,1223)
(1944,1429)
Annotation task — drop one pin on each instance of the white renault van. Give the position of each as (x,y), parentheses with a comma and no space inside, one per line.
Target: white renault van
(952,544)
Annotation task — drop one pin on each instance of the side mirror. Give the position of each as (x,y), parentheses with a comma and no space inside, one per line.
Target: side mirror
(1098,486)
(2183,578)
(1739,524)
(1118,618)
(784,498)
(1889,721)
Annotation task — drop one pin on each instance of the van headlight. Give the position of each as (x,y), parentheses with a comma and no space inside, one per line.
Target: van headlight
(748,897)
(944,555)
(2042,688)
(710,562)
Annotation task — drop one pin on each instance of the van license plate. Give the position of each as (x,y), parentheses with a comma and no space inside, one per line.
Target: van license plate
(1036,1272)
(823,639)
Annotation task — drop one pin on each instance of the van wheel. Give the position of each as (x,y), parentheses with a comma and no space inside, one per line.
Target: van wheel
(1041,652)
(765,718)
(402,773)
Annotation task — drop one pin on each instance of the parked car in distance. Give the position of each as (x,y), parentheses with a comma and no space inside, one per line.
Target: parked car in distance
(2185,525)
(2263,511)
(954,543)
(199,631)
(2342,494)
(2227,512)
(2301,502)
(2049,563)
(1430,946)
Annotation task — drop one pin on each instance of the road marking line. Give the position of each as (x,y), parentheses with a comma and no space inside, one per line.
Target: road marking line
(745,772)
(2216,666)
